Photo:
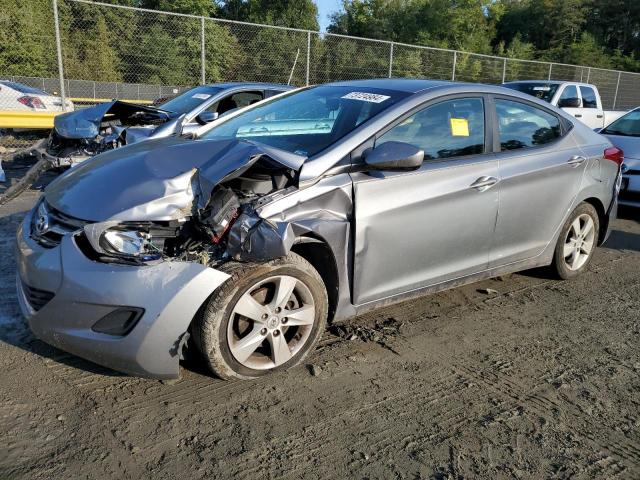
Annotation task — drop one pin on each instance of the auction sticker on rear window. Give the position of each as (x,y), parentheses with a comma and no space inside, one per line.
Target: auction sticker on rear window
(200,96)
(366,97)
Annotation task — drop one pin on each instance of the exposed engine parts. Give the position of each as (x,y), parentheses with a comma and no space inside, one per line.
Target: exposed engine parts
(105,127)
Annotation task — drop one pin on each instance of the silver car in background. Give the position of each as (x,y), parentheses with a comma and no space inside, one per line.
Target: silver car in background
(625,134)
(82,134)
(317,205)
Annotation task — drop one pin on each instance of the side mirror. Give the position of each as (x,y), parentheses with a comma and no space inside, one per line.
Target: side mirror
(394,156)
(569,103)
(207,117)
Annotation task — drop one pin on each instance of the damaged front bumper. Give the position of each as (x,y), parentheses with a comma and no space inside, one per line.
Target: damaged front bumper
(63,295)
(41,153)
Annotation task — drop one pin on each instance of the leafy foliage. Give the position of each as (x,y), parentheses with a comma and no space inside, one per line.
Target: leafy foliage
(599,33)
(121,45)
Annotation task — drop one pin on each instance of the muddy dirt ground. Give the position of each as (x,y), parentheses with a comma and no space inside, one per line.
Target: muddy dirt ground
(539,379)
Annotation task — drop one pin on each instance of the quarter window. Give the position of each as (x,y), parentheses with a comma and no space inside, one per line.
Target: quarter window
(588,97)
(449,129)
(522,126)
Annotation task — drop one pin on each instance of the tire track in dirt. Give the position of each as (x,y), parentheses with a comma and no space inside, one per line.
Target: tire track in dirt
(617,446)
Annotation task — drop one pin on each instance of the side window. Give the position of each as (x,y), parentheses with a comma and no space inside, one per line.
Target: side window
(213,107)
(449,129)
(243,99)
(237,100)
(522,126)
(569,97)
(588,97)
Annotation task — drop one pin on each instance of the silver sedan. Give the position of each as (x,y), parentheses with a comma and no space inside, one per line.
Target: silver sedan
(314,206)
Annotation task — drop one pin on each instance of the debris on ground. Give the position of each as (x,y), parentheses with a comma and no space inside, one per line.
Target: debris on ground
(488,291)
(381,333)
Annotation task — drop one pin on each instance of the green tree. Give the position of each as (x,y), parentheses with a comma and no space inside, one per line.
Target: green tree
(301,14)
(27,38)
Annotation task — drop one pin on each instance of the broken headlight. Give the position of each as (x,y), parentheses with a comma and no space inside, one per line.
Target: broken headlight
(130,243)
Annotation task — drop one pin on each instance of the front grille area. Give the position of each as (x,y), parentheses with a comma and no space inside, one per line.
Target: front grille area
(37,298)
(48,225)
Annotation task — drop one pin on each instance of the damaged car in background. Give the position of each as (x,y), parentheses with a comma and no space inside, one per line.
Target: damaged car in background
(84,133)
(314,206)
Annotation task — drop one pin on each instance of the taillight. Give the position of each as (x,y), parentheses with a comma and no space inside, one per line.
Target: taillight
(614,154)
(32,102)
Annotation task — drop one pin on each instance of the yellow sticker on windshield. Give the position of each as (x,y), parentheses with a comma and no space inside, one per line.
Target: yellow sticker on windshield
(459,127)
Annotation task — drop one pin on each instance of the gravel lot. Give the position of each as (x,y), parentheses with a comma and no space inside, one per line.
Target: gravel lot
(539,379)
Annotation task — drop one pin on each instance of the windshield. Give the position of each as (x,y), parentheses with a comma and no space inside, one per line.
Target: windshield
(310,120)
(189,100)
(627,125)
(23,88)
(542,90)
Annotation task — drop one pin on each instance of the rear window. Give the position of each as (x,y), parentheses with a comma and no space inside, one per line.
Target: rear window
(542,90)
(23,88)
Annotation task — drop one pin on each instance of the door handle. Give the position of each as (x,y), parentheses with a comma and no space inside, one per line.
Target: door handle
(484,183)
(576,160)
(599,116)
(578,115)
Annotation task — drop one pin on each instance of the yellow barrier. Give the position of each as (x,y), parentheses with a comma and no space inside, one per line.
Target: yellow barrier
(18,119)
(37,120)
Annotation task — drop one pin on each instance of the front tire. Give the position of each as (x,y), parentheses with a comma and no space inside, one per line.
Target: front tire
(577,242)
(267,317)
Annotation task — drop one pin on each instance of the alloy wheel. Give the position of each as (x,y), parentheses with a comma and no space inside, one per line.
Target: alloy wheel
(579,242)
(271,322)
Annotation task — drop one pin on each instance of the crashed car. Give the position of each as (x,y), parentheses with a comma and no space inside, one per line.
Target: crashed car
(314,206)
(84,133)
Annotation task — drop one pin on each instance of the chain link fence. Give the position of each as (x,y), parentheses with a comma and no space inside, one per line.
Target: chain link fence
(86,52)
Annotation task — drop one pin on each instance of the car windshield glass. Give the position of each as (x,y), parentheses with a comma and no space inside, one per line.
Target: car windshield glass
(627,125)
(189,100)
(310,120)
(542,90)
(24,88)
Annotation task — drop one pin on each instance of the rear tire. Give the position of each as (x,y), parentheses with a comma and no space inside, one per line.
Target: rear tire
(577,242)
(267,317)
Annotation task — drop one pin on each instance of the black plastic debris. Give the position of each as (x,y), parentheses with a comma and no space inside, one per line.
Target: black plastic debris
(254,239)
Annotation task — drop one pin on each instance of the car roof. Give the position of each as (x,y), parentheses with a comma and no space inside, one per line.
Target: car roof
(554,82)
(551,82)
(409,85)
(278,86)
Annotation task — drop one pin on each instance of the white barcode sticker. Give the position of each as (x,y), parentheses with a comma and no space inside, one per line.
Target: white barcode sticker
(200,96)
(366,97)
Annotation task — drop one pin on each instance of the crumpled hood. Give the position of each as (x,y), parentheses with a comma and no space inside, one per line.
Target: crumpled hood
(155,180)
(85,123)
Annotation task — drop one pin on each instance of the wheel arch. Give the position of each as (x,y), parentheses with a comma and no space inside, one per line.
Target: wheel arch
(603,219)
(315,250)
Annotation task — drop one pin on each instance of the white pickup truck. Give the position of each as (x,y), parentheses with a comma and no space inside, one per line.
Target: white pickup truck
(582,100)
